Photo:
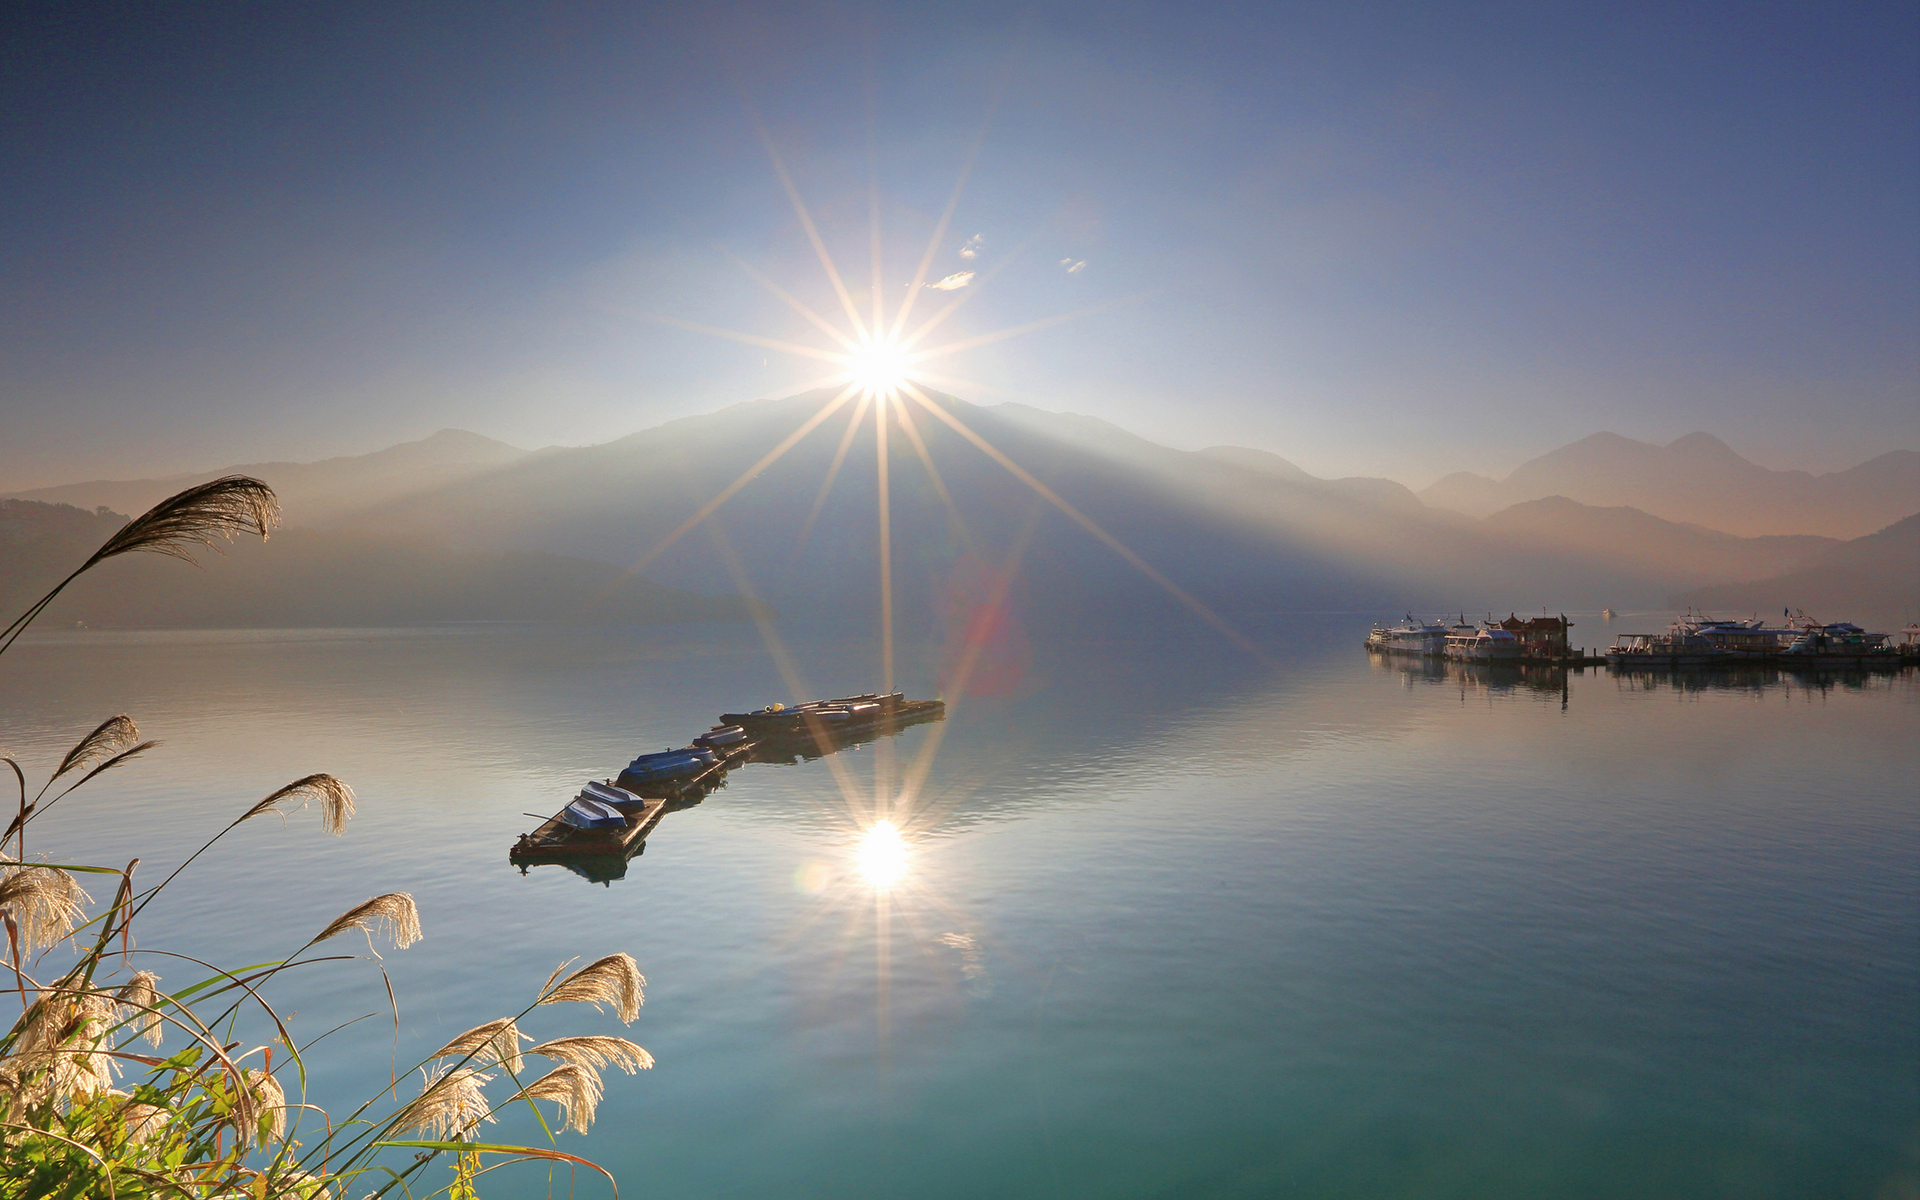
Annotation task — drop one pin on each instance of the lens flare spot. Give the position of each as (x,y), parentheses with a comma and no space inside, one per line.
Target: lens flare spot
(881,856)
(812,877)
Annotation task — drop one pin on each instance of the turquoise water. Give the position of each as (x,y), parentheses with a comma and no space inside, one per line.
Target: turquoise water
(1171,921)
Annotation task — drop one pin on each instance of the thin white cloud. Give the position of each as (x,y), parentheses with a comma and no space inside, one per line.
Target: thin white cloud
(953,282)
(1074,266)
(972,247)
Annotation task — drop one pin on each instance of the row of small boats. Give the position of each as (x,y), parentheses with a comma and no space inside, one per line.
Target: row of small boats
(617,813)
(1699,640)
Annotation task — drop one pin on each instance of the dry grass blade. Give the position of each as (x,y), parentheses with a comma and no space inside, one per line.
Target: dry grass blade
(500,1038)
(45,903)
(595,1051)
(138,1000)
(614,980)
(196,517)
(334,797)
(449,1103)
(575,1088)
(114,735)
(395,912)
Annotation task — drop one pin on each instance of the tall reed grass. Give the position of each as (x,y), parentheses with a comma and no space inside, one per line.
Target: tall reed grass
(113,1085)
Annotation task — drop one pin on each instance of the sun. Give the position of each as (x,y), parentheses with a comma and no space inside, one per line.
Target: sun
(882,855)
(879,367)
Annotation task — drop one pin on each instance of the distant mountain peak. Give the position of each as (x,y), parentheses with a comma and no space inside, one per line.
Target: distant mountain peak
(1698,480)
(1704,444)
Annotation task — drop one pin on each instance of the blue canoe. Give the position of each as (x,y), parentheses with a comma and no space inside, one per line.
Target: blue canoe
(606,793)
(588,813)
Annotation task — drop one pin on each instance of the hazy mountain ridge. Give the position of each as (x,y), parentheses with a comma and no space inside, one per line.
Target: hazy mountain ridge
(316,577)
(1871,579)
(314,493)
(1698,479)
(1242,529)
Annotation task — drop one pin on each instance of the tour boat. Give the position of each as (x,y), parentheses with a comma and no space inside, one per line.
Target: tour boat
(1481,643)
(1422,639)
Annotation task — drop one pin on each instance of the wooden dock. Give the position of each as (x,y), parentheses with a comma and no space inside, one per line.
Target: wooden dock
(601,854)
(557,841)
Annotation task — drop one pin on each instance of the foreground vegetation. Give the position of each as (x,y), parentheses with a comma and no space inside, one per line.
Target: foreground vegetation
(113,1085)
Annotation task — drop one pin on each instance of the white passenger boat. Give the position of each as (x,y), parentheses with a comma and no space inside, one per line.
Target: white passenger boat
(1422,639)
(1481,643)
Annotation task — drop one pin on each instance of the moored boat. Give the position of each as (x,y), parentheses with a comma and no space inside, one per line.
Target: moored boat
(585,812)
(1481,643)
(1422,639)
(607,793)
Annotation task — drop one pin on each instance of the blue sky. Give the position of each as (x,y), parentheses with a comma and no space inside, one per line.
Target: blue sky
(1389,239)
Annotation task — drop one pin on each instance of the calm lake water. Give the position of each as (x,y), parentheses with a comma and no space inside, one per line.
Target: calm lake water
(1173,921)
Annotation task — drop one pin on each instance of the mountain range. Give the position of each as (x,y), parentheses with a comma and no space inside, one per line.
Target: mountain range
(1699,480)
(460,527)
(316,493)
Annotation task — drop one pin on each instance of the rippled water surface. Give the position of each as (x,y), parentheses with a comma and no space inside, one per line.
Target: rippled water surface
(1171,921)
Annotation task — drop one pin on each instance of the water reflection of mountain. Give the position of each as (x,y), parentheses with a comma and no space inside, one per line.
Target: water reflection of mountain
(1092,721)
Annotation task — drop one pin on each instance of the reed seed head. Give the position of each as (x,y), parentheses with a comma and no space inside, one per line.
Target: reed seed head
(449,1104)
(394,914)
(259,1112)
(138,1000)
(333,796)
(576,1089)
(58,1052)
(45,904)
(614,980)
(143,1121)
(498,1040)
(196,517)
(595,1052)
(114,735)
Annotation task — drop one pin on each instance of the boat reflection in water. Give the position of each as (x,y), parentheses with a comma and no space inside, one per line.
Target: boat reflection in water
(1493,677)
(1782,674)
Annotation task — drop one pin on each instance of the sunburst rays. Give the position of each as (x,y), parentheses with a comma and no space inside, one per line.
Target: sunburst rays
(874,361)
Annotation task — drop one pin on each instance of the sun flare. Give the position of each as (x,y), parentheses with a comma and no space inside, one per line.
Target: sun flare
(882,855)
(879,368)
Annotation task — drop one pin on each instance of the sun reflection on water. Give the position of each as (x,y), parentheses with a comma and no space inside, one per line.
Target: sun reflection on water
(881,857)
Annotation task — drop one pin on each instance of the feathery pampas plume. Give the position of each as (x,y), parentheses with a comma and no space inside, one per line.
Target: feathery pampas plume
(219,509)
(137,1000)
(45,904)
(499,1039)
(614,980)
(58,1052)
(595,1051)
(259,1112)
(195,517)
(334,797)
(143,1120)
(114,735)
(449,1103)
(575,1089)
(394,911)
